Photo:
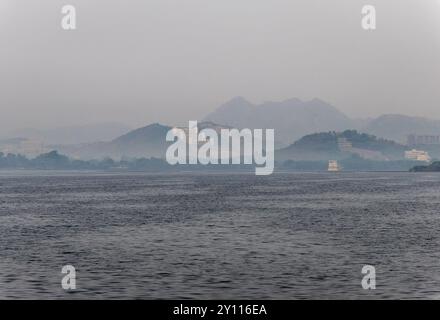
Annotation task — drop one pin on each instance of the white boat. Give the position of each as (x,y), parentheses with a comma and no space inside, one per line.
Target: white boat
(333,166)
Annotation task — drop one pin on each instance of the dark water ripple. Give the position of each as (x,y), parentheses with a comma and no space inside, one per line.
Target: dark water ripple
(289,236)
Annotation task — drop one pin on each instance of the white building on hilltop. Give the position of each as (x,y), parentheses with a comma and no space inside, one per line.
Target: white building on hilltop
(333,166)
(418,155)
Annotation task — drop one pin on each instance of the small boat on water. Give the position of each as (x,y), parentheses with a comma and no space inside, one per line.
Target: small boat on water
(333,166)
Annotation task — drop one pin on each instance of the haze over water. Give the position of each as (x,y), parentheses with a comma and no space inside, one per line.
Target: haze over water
(289,236)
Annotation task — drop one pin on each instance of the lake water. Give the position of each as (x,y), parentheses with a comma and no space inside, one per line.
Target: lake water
(221,236)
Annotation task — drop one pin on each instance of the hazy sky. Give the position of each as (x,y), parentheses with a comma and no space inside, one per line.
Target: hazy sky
(169,61)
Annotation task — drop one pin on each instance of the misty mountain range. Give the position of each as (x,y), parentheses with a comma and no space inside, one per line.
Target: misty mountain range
(73,134)
(292,120)
(147,141)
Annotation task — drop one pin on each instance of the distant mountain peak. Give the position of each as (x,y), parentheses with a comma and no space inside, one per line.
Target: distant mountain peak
(397,126)
(291,101)
(236,102)
(291,118)
(238,99)
(155,129)
(317,100)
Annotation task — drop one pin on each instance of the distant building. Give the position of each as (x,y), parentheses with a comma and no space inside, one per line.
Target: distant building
(26,147)
(418,155)
(344,145)
(333,166)
(413,140)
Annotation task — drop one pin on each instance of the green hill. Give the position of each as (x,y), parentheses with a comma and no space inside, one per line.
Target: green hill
(341,145)
(433,167)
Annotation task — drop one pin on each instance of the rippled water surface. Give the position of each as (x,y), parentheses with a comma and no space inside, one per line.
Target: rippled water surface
(289,236)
